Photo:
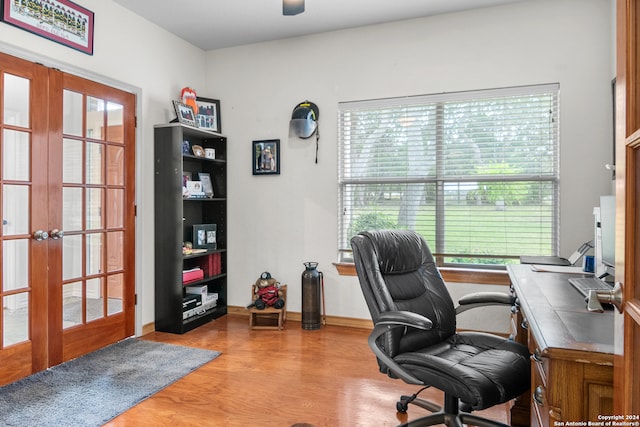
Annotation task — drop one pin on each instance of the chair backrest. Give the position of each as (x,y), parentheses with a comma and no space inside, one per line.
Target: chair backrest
(397,272)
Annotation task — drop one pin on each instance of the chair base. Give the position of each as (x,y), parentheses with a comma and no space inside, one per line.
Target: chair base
(403,404)
(450,415)
(425,404)
(453,420)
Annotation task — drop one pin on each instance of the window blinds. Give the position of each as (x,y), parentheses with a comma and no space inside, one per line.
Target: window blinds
(475,172)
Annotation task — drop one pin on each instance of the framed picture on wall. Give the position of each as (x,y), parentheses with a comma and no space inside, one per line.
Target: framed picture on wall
(44,19)
(209,114)
(266,157)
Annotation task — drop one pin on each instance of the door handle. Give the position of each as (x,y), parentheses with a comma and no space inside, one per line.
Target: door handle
(40,235)
(596,298)
(56,234)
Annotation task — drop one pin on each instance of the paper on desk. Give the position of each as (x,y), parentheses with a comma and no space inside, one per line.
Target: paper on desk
(557,269)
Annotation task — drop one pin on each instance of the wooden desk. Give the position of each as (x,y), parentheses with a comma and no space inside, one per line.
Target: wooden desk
(572,349)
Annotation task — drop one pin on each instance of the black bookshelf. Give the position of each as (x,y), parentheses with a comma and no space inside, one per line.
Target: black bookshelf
(175,216)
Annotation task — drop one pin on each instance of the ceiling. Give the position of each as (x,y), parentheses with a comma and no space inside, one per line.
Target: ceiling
(215,24)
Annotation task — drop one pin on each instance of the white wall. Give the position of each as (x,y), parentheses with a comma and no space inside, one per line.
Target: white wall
(138,56)
(278,222)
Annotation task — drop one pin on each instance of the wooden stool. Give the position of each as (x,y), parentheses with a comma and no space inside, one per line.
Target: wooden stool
(274,317)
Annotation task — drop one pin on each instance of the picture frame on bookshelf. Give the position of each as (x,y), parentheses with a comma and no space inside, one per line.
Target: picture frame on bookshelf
(266,157)
(209,114)
(185,114)
(193,190)
(197,150)
(207,186)
(186,176)
(204,236)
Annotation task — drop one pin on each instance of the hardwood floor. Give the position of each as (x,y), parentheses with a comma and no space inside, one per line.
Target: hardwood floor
(326,377)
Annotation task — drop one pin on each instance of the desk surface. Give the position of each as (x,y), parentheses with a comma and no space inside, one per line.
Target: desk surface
(558,318)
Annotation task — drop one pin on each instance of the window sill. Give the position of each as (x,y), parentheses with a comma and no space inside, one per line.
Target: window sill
(464,275)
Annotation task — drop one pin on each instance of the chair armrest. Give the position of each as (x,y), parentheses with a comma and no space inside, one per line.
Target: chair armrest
(483,299)
(404,318)
(385,323)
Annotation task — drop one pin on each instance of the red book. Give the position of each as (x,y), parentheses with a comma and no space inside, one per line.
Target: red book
(207,265)
(217,263)
(192,275)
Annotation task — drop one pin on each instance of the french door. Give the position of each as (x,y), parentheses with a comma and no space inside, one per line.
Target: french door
(627,358)
(67,151)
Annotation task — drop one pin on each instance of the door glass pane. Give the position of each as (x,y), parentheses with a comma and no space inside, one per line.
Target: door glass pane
(71,161)
(72,113)
(94,253)
(95,118)
(94,208)
(16,100)
(15,262)
(71,304)
(115,122)
(115,165)
(95,303)
(15,327)
(94,163)
(71,209)
(114,251)
(16,155)
(71,257)
(115,286)
(115,208)
(15,209)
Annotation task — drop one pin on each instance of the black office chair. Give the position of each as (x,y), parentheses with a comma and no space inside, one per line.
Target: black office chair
(414,336)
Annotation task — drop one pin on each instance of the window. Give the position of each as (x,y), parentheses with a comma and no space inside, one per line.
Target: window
(476,173)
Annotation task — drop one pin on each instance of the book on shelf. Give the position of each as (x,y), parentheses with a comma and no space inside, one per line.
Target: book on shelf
(212,265)
(192,275)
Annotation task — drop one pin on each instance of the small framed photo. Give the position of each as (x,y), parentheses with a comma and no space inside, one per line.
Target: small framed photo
(185,114)
(207,186)
(186,176)
(193,190)
(209,114)
(198,151)
(204,236)
(266,157)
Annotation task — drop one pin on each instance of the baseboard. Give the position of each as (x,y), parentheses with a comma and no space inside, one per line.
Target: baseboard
(349,322)
(148,328)
(297,317)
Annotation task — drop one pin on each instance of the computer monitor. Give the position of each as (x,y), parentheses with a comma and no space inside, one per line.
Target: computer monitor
(606,237)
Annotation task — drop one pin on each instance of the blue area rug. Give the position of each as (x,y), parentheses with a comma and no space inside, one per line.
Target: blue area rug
(97,387)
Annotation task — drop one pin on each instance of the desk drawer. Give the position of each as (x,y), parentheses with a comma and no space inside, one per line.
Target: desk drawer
(539,401)
(541,366)
(538,362)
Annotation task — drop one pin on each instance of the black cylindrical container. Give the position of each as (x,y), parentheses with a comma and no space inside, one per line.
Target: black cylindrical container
(311,286)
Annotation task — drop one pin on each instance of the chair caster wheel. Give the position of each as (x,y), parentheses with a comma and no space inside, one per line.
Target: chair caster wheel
(401,407)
